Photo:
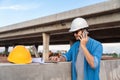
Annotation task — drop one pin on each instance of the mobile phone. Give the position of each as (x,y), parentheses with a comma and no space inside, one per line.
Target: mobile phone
(84,33)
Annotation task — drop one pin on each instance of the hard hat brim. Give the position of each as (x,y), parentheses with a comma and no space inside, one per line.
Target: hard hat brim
(73,30)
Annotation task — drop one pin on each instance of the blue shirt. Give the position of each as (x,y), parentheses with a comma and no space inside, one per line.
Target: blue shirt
(95,48)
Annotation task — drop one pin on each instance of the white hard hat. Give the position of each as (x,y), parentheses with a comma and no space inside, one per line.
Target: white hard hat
(78,23)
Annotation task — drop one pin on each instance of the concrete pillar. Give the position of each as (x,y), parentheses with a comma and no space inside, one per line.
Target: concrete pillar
(36,46)
(6,50)
(46,38)
(71,42)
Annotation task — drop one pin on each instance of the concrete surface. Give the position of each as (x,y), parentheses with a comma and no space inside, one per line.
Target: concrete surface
(110,70)
(36,71)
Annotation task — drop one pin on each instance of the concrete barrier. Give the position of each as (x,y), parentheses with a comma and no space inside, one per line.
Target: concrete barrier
(110,70)
(49,71)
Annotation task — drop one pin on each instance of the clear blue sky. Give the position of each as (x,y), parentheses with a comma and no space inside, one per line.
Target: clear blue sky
(15,11)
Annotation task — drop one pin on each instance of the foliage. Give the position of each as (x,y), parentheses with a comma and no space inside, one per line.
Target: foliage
(115,55)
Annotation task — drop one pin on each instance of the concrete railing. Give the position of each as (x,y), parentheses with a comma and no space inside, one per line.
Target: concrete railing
(110,70)
(36,71)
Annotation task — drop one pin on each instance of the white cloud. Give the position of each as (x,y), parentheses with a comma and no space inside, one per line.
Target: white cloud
(18,7)
(13,7)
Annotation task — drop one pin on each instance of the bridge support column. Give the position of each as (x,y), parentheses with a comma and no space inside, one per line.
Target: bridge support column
(36,46)
(6,50)
(46,38)
(71,42)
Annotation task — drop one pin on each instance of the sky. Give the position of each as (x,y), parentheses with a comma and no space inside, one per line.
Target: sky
(16,11)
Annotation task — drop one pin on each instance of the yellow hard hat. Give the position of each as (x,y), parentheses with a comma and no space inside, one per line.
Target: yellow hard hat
(20,55)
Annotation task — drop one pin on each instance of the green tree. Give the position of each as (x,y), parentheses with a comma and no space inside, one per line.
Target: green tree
(115,55)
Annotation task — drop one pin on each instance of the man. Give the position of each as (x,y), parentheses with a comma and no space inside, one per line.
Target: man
(85,54)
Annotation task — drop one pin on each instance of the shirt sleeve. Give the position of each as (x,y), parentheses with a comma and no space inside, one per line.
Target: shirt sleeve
(97,55)
(95,61)
(72,50)
(68,55)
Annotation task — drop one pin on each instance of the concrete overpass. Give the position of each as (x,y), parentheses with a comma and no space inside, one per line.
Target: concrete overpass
(103,18)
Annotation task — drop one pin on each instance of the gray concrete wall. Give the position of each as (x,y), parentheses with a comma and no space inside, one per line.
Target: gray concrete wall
(110,70)
(50,71)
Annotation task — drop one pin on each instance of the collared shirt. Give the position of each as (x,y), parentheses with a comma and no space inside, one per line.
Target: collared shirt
(95,48)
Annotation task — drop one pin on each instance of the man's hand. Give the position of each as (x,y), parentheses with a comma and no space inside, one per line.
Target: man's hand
(58,59)
(83,39)
(54,58)
(90,59)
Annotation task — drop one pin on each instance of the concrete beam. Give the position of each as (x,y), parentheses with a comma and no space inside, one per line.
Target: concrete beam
(94,22)
(94,10)
(104,35)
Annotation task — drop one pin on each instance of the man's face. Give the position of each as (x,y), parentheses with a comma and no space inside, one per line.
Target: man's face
(77,34)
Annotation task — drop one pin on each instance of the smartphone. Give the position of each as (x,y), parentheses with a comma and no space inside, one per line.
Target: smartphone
(84,33)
